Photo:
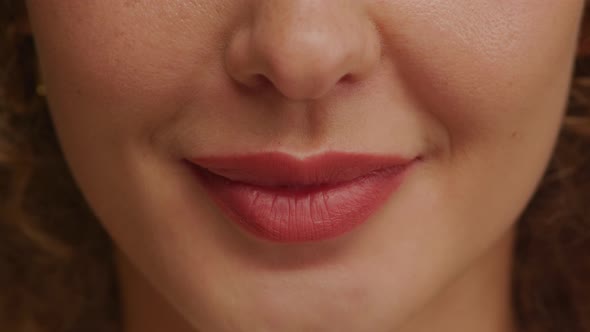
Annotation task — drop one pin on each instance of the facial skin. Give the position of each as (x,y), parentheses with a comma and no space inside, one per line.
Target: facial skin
(478,88)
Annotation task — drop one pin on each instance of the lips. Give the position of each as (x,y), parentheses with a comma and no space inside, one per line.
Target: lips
(280,198)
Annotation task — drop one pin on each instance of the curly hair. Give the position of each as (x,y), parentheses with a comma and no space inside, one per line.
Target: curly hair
(56,267)
(56,270)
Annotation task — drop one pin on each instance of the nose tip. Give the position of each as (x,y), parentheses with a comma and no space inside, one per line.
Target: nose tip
(303,54)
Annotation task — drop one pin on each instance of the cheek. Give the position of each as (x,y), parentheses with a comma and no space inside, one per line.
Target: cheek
(125,63)
(485,68)
(495,75)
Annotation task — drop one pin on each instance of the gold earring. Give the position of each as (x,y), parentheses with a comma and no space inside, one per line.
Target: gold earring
(41,90)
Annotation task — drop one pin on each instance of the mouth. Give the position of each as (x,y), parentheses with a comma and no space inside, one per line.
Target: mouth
(280,198)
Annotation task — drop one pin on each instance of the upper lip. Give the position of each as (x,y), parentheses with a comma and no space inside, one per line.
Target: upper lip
(281,169)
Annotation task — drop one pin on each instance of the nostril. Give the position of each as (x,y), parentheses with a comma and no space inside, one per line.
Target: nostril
(256,82)
(262,80)
(348,78)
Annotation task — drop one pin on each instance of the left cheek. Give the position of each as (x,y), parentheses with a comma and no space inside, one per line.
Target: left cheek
(485,79)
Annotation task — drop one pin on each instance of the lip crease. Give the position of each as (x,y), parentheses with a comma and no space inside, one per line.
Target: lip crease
(278,197)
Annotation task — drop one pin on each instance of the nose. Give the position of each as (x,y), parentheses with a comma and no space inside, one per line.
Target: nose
(303,48)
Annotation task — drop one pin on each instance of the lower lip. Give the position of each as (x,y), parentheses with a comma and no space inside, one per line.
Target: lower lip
(303,214)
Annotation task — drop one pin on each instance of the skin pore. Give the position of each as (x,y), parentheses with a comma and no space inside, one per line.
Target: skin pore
(476,87)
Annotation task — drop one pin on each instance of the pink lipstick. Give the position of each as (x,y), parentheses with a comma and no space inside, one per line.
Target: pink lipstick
(280,198)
